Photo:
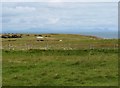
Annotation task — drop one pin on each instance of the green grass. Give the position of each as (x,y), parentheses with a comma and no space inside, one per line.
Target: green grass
(60,67)
(69,42)
(77,60)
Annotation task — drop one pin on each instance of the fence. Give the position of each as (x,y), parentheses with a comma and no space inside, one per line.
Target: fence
(59,46)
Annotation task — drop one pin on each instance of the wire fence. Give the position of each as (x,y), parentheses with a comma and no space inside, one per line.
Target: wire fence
(58,46)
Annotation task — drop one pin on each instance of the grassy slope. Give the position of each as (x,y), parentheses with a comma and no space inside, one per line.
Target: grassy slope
(72,68)
(60,67)
(69,41)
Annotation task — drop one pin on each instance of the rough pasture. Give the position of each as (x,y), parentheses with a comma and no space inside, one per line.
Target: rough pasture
(77,60)
(58,41)
(60,68)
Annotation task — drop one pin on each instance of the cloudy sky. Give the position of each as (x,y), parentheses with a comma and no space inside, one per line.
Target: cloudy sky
(59,17)
(60,0)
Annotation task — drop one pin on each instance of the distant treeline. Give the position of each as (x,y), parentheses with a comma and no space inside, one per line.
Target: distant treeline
(11,36)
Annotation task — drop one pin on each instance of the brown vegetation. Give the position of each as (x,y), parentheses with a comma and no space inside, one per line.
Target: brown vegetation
(11,36)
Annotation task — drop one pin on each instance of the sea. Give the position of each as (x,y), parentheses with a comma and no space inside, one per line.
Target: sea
(107,35)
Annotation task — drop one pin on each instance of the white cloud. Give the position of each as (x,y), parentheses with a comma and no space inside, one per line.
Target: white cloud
(28,9)
(18,10)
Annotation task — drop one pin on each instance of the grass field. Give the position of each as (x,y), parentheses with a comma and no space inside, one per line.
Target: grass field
(75,61)
(69,41)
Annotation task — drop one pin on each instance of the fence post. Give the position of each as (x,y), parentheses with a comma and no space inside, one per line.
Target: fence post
(90,47)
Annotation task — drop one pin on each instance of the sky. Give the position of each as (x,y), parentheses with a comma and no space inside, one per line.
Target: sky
(59,17)
(60,0)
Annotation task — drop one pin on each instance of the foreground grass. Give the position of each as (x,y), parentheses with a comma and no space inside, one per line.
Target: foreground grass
(60,67)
